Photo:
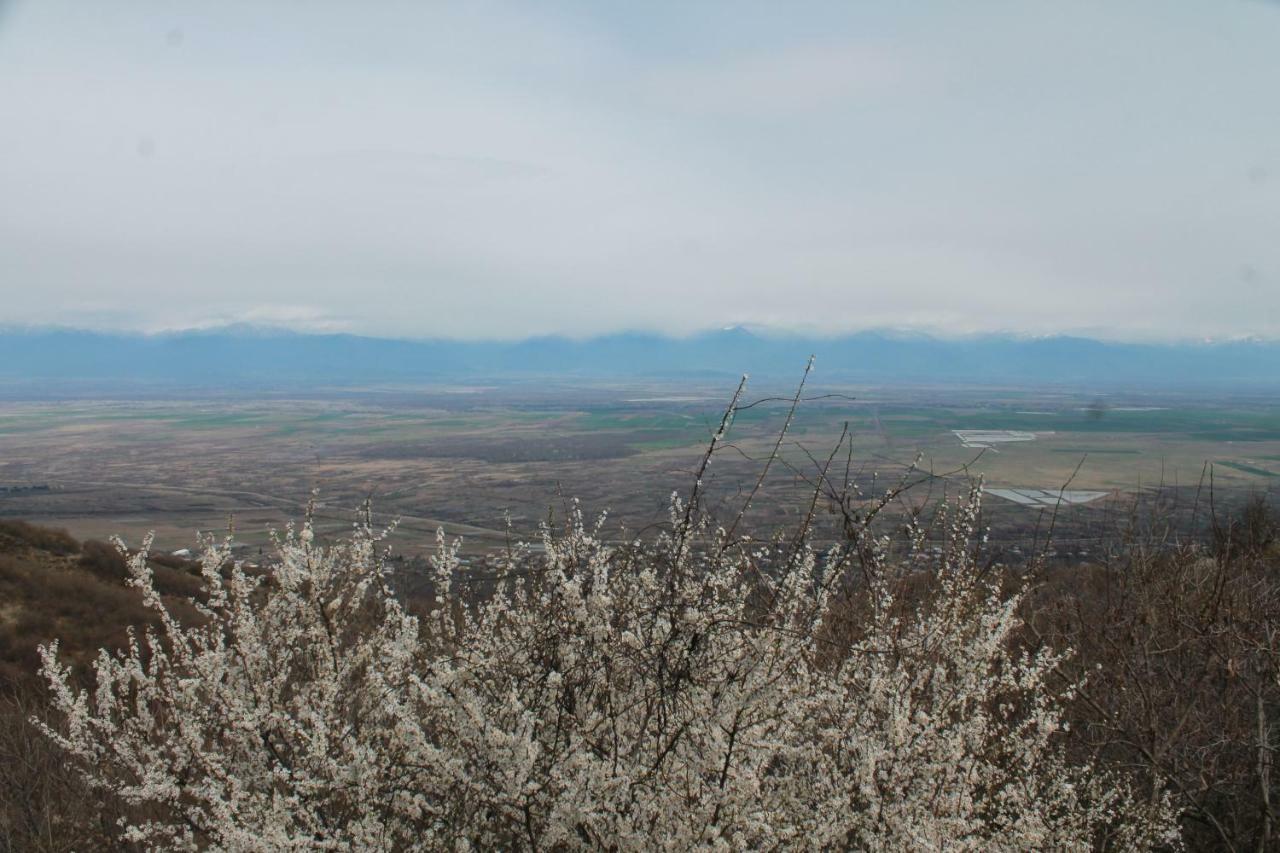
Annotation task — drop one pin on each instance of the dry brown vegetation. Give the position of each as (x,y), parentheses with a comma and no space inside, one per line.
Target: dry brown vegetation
(52,586)
(1177,638)
(1181,648)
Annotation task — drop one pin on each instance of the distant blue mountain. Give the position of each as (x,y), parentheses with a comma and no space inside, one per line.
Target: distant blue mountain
(248,356)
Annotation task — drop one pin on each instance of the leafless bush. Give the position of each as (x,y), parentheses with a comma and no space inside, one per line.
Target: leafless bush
(1180,645)
(45,804)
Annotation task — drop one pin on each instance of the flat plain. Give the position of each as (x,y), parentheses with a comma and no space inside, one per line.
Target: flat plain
(491,462)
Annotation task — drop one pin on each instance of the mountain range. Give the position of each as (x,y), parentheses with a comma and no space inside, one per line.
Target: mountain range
(237,356)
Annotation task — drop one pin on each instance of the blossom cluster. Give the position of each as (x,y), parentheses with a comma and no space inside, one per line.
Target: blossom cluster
(693,690)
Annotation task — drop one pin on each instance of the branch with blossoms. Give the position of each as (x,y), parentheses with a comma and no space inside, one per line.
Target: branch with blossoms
(680,691)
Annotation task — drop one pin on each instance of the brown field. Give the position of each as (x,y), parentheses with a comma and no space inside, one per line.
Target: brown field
(468,461)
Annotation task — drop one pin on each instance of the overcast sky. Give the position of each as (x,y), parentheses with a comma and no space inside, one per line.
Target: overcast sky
(491,170)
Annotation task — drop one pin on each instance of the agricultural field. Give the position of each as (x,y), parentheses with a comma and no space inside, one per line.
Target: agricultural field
(476,459)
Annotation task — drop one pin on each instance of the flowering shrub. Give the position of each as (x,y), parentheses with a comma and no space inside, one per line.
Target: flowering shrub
(684,692)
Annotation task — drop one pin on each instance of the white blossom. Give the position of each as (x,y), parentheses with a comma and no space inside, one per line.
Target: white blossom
(668,694)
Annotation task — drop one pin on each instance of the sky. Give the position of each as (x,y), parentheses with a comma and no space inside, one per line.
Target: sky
(491,170)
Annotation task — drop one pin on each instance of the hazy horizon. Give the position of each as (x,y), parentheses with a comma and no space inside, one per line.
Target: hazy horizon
(760,331)
(499,171)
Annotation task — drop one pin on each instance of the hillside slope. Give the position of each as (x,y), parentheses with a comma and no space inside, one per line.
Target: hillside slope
(53,587)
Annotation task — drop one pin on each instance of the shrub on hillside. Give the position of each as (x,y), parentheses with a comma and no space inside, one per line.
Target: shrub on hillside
(104,560)
(44,802)
(684,691)
(171,575)
(53,540)
(1184,652)
(1248,534)
(85,600)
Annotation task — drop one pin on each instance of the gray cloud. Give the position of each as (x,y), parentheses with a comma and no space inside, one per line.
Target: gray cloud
(492,170)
